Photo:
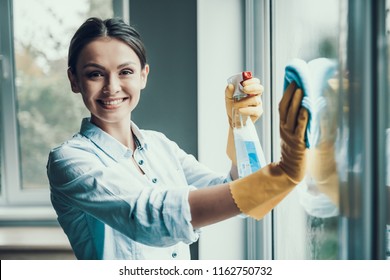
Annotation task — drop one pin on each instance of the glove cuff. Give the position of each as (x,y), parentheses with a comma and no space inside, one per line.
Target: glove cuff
(257,194)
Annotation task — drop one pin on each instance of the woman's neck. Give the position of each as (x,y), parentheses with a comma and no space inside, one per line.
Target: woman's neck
(121,131)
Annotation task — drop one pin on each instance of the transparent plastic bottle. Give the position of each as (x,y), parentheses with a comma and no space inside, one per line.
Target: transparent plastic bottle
(249,153)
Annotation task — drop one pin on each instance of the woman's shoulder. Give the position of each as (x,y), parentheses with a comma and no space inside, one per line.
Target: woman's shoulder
(149,133)
(75,145)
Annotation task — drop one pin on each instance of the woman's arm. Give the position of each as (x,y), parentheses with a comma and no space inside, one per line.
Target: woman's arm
(212,205)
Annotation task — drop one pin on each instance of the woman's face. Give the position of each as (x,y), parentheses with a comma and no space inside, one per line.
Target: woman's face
(110,79)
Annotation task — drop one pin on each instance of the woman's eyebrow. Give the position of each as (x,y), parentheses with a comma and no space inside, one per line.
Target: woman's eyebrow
(126,64)
(91,64)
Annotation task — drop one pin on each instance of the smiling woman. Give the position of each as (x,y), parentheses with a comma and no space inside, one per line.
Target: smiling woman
(118,178)
(110,85)
(121,192)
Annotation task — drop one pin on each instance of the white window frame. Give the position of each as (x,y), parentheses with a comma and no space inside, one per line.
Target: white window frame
(258,60)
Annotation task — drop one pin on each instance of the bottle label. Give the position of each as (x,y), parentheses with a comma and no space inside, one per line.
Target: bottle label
(252,155)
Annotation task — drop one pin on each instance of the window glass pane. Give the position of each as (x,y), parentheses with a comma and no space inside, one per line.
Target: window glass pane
(306,223)
(47,111)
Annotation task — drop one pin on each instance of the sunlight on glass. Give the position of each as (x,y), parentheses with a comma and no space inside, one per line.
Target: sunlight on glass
(48,112)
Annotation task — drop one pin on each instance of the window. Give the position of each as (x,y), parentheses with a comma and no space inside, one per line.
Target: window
(339,217)
(38,109)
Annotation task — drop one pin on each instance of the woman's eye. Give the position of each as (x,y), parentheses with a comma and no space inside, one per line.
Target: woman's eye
(127,72)
(94,74)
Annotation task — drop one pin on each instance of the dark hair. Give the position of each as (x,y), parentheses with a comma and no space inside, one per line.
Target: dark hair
(94,28)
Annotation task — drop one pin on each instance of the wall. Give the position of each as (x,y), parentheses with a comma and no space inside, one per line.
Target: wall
(169,101)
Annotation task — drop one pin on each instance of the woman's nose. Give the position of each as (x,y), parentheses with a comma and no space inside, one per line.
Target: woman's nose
(112,85)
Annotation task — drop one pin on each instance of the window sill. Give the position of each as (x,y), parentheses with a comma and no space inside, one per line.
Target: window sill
(33,238)
(34,216)
(31,228)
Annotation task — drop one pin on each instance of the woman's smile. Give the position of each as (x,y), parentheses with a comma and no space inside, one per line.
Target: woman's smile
(111,103)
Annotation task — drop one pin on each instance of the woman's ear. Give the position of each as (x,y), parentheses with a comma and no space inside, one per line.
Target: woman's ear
(73,81)
(144,76)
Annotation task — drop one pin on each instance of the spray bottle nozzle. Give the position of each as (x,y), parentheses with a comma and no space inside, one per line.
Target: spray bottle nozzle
(237,80)
(246,75)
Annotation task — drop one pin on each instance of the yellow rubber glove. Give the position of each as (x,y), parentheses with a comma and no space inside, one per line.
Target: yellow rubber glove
(248,106)
(258,193)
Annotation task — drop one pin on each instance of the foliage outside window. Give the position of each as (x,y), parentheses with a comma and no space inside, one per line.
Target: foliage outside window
(47,111)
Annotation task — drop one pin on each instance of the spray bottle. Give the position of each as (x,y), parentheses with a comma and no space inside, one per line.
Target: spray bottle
(249,153)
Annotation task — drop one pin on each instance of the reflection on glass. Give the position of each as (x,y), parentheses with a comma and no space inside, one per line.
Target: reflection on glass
(47,112)
(319,193)
(326,166)
(307,221)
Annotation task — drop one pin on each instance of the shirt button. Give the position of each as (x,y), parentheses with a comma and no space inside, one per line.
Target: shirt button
(174,255)
(141,162)
(154,180)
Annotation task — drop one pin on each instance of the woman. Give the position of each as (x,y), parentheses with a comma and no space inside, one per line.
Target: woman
(125,193)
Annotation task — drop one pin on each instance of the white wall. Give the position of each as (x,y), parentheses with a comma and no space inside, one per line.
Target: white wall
(220,55)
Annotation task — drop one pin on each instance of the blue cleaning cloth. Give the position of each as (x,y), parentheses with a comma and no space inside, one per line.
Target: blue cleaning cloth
(312,78)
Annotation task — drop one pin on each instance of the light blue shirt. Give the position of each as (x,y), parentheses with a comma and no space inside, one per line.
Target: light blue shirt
(109,210)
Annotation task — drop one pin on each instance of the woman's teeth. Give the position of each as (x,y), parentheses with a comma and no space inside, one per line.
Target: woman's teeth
(112,102)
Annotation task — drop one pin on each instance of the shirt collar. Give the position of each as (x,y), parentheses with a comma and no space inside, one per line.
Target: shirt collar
(109,144)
